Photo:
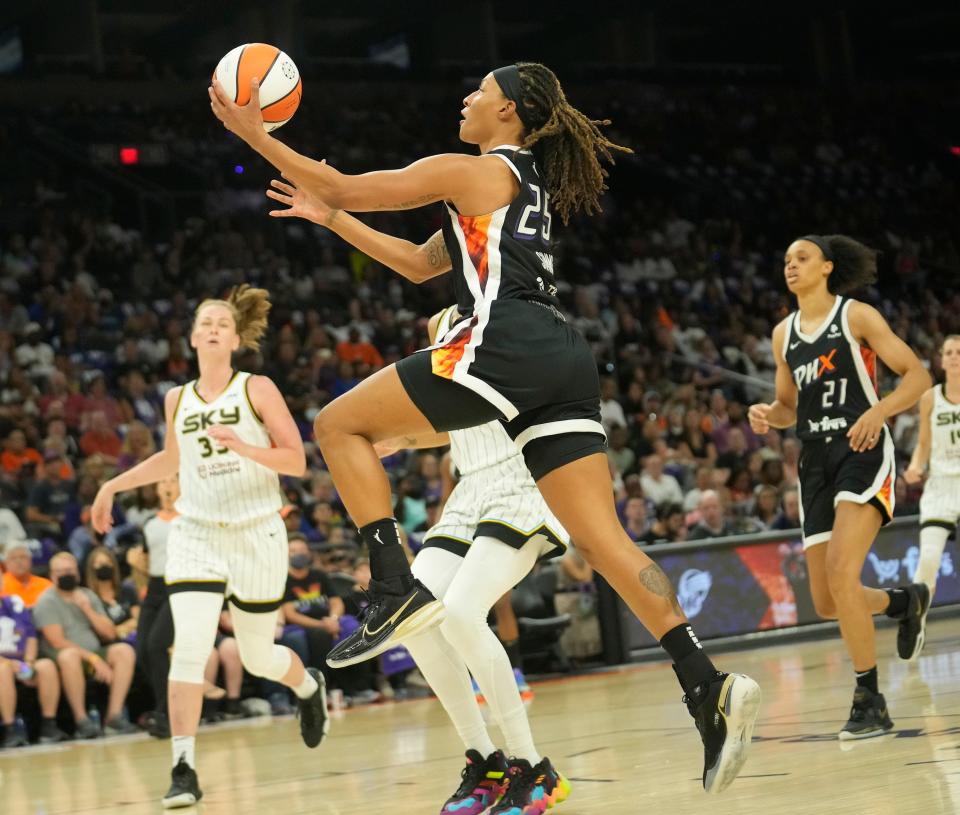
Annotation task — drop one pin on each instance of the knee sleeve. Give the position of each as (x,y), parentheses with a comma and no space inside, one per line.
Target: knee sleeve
(436,568)
(195,618)
(258,653)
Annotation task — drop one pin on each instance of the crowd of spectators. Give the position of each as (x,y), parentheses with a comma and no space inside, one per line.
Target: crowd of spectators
(677,285)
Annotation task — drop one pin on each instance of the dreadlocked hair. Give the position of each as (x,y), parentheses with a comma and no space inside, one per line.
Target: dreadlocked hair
(854,264)
(249,307)
(567,145)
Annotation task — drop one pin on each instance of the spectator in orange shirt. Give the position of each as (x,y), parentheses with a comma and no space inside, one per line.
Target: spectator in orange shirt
(358,350)
(18,578)
(17,454)
(101,439)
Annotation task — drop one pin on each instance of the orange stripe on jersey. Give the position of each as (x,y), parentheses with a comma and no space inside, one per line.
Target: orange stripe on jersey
(884,494)
(475,232)
(443,359)
(870,360)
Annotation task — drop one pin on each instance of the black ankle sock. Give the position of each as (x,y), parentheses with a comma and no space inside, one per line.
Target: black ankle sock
(232,705)
(388,561)
(513,652)
(899,603)
(868,680)
(692,665)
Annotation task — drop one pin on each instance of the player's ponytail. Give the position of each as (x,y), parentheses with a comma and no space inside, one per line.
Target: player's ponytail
(567,145)
(854,264)
(249,307)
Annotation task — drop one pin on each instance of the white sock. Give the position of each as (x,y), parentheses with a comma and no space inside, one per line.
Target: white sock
(932,541)
(307,688)
(447,674)
(184,746)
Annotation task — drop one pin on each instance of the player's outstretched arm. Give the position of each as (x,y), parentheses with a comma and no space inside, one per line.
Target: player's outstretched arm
(782,412)
(415,262)
(921,455)
(432,179)
(870,329)
(286,456)
(162,464)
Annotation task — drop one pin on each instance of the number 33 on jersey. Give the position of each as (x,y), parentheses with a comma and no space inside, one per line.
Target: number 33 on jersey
(217,484)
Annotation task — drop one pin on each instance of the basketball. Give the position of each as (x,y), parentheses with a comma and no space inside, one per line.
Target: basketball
(280,83)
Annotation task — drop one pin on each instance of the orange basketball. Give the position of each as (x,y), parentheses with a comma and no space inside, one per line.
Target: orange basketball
(280,83)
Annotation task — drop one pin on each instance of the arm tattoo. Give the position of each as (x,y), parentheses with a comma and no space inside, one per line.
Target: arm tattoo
(656,582)
(437,255)
(331,217)
(413,203)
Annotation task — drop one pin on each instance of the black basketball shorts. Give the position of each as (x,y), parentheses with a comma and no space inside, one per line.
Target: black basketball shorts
(524,365)
(830,472)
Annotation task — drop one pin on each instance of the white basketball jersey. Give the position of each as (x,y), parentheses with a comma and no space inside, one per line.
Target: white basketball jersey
(944,435)
(216,484)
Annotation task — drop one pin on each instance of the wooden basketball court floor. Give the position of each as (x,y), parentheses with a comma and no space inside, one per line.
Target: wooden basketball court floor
(623,739)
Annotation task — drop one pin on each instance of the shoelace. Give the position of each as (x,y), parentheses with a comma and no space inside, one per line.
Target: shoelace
(521,783)
(472,774)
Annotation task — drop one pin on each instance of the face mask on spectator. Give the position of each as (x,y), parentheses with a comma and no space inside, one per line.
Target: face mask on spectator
(103,572)
(67,582)
(300,561)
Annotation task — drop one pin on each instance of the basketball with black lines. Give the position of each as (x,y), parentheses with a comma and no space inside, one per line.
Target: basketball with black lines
(280,83)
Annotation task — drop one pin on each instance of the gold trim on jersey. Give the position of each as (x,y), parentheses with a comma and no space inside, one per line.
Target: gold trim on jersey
(529,534)
(225,388)
(176,407)
(246,393)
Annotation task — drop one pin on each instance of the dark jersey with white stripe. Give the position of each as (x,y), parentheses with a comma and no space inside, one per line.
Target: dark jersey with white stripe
(836,377)
(507,253)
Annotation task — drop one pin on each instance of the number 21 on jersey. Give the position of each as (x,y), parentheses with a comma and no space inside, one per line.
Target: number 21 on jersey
(830,388)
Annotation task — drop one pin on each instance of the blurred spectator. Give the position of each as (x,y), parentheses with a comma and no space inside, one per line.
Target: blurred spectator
(120,600)
(635,521)
(621,457)
(712,523)
(18,458)
(789,516)
(18,579)
(19,665)
(311,602)
(48,501)
(703,482)
(659,487)
(576,596)
(356,349)
(101,439)
(766,506)
(138,445)
(611,412)
(670,526)
(78,635)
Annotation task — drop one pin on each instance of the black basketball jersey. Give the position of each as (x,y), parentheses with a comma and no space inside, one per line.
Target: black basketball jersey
(505,254)
(836,377)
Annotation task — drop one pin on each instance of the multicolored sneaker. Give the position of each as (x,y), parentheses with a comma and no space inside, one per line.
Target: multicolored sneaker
(477,692)
(482,783)
(531,790)
(525,691)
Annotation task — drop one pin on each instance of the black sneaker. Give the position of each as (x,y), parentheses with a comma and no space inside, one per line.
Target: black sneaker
(531,789)
(50,733)
(13,738)
(158,725)
(725,710)
(868,716)
(87,729)
(388,619)
(184,788)
(481,784)
(314,722)
(912,628)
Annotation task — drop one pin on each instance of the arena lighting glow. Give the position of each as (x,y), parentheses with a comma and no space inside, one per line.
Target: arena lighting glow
(238,169)
(955,149)
(129,155)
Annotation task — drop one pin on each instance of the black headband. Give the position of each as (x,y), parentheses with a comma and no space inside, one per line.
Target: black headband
(508,78)
(821,243)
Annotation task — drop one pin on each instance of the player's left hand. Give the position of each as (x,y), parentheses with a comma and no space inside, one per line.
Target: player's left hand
(868,430)
(246,121)
(225,437)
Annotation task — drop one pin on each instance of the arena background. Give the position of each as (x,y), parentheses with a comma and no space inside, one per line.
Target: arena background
(123,202)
